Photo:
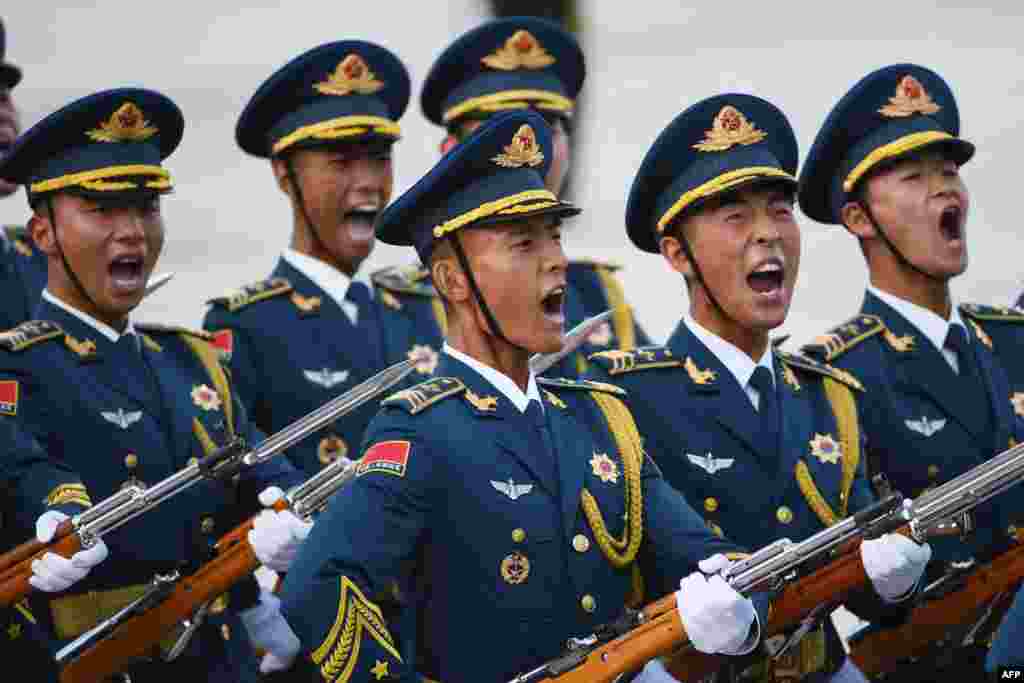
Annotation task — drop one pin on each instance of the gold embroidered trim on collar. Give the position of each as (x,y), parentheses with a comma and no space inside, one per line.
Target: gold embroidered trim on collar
(521,51)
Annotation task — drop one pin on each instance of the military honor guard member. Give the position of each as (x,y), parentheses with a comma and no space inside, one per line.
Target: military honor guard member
(113,401)
(941,392)
(326,121)
(514,63)
(524,506)
(765,442)
(22,264)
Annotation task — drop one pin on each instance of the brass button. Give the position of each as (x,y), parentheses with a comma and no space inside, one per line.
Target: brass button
(933,471)
(131,461)
(588,603)
(518,535)
(716,530)
(206,525)
(784,515)
(710,504)
(225,631)
(580,543)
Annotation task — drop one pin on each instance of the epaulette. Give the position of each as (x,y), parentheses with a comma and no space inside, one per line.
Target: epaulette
(420,397)
(999,314)
(411,279)
(797,360)
(584,384)
(18,238)
(617,362)
(157,328)
(30,333)
(249,294)
(842,338)
(594,263)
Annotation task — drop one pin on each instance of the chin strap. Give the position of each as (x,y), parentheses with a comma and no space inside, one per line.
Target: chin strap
(903,260)
(699,276)
(477,294)
(293,178)
(67,266)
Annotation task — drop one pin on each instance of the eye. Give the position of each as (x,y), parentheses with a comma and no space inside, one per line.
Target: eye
(912,176)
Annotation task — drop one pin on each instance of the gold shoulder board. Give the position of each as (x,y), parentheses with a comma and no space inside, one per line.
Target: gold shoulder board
(842,338)
(249,294)
(581,384)
(411,279)
(1001,314)
(811,365)
(617,362)
(157,328)
(29,333)
(418,398)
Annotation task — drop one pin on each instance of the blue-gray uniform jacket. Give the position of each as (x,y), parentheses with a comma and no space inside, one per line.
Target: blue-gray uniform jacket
(22,274)
(136,410)
(412,311)
(292,348)
(698,419)
(520,533)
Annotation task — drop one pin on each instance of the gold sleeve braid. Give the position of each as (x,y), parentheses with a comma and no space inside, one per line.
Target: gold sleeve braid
(844,407)
(338,655)
(620,552)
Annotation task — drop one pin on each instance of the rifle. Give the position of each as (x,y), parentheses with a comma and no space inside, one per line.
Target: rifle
(129,634)
(133,632)
(85,528)
(950,613)
(809,579)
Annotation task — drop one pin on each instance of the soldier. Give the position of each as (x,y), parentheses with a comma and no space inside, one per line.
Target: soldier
(938,398)
(113,401)
(725,409)
(327,122)
(514,63)
(22,265)
(460,473)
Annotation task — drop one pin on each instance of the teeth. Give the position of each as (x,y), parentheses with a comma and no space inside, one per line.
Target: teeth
(768,268)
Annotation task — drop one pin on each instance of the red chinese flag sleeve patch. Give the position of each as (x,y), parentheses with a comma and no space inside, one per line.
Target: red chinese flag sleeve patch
(224,340)
(388,457)
(9,397)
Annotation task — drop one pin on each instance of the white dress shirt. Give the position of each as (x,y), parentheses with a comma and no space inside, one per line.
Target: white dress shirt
(101,327)
(932,326)
(328,278)
(501,382)
(736,361)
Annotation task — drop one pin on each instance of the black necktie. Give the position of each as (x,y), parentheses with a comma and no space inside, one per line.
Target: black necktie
(971,393)
(359,294)
(541,440)
(956,341)
(768,411)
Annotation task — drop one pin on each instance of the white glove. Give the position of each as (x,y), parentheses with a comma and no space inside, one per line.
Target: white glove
(894,563)
(269,631)
(654,672)
(52,572)
(276,536)
(716,618)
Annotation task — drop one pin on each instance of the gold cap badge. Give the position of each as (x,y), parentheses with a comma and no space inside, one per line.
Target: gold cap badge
(910,98)
(352,75)
(521,51)
(127,124)
(522,151)
(730,128)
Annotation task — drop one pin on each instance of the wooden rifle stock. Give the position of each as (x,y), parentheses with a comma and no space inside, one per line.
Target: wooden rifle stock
(928,623)
(138,635)
(16,564)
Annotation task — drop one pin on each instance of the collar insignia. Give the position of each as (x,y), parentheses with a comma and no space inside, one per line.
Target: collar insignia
(425,358)
(559,403)
(1017,400)
(520,51)
(352,75)
(522,151)
(307,305)
(901,344)
(85,349)
(604,468)
(825,448)
(910,98)
(127,124)
(485,404)
(730,128)
(924,426)
(698,376)
(790,377)
(205,397)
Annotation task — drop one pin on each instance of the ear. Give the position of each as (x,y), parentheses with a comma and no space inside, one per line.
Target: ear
(41,230)
(856,221)
(280,168)
(673,252)
(450,281)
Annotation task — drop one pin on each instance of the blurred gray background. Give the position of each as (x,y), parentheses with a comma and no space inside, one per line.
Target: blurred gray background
(647,61)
